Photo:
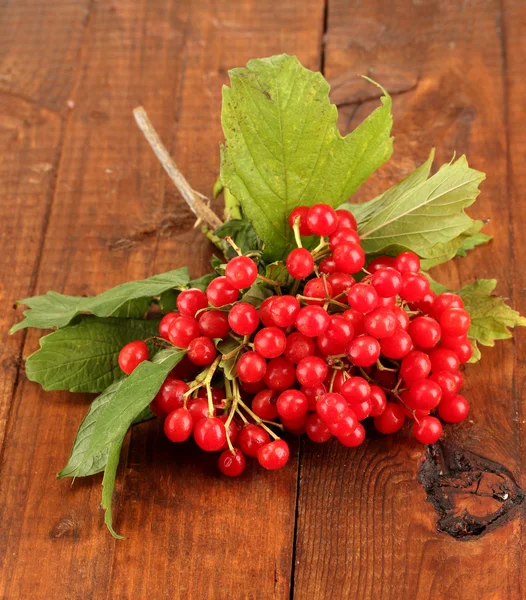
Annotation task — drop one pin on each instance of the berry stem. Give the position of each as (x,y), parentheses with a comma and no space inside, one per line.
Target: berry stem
(258,420)
(237,249)
(276,284)
(296,229)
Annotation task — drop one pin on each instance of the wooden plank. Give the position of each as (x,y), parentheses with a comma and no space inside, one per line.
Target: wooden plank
(116,217)
(363,517)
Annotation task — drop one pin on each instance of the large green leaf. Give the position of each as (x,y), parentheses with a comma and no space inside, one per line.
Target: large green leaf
(420,214)
(57,310)
(108,484)
(283,148)
(83,357)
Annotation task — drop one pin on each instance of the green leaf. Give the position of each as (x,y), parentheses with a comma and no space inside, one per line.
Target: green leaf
(256,294)
(243,235)
(419,214)
(225,347)
(277,271)
(435,286)
(57,310)
(133,309)
(84,357)
(472,241)
(201,283)
(283,148)
(108,485)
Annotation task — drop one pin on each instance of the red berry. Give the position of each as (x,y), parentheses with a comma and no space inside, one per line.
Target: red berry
(345,426)
(251,438)
(455,321)
(243,318)
(316,429)
(311,371)
(295,426)
(464,351)
(230,464)
(329,347)
(178,425)
(301,212)
(415,365)
(397,345)
(201,351)
(312,394)
(349,257)
(132,355)
(312,321)
(447,382)
(169,397)
(253,388)
(190,301)
(340,283)
(232,430)
(322,219)
(363,351)
(425,332)
(378,401)
(426,304)
(270,342)
(332,407)
(415,286)
(346,220)
(182,331)
(165,323)
(198,408)
(298,347)
(452,341)
(214,324)
(355,438)
(241,272)
(453,409)
(300,263)
(381,262)
(391,420)
(264,405)
(459,378)
(389,302)
(427,430)
(380,323)
(340,330)
(280,374)
(363,297)
(274,455)
(327,265)
(218,394)
(343,236)
(292,405)
(402,317)
(444,301)
(443,359)
(356,319)
(317,288)
(265,311)
(251,367)
(355,390)
(387,282)
(284,310)
(210,434)
(407,262)
(424,394)
(220,292)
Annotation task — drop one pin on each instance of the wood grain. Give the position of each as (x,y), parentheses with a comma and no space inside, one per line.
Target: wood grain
(363,517)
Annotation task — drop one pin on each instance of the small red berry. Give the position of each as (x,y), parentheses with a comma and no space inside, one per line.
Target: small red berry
(415,365)
(316,429)
(230,464)
(424,394)
(183,330)
(363,351)
(349,257)
(453,409)
(292,405)
(300,263)
(165,323)
(190,301)
(355,438)
(270,342)
(132,355)
(317,288)
(322,219)
(343,236)
(332,407)
(407,262)
(455,321)
(251,438)
(280,374)
(298,347)
(220,292)
(243,318)
(363,298)
(198,408)
(312,394)
(241,272)
(301,212)
(274,455)
(346,220)
(443,359)
(169,397)
(415,286)
(425,332)
(340,283)
(312,321)
(284,310)
(201,351)
(444,301)
(210,434)
(214,324)
(327,265)
(381,262)
(380,323)
(387,282)
(265,311)
(311,371)
(397,345)
(378,400)
(178,425)
(345,426)
(391,420)
(251,367)
(264,405)
(427,430)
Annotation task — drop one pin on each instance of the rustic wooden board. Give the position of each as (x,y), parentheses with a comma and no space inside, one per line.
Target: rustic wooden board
(363,516)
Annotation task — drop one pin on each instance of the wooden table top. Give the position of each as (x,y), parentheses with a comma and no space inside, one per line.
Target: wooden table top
(85,205)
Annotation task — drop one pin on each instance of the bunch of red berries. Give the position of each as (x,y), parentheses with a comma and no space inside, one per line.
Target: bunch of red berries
(345,344)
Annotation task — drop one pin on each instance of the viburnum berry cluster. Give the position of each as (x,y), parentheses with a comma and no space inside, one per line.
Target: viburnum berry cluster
(345,344)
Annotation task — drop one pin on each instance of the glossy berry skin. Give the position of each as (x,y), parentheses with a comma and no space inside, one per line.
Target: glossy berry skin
(169,397)
(343,236)
(427,430)
(459,378)
(284,310)
(132,355)
(251,367)
(298,347)
(295,426)
(312,394)
(265,311)
(300,263)
(378,400)
(165,323)
(214,324)
(198,408)
(183,330)
(349,257)
(329,347)
(355,390)
(264,405)
(464,351)
(201,351)
(190,301)
(241,272)
(232,430)
(380,323)
(312,321)
(397,345)
(363,298)
(251,438)
(407,262)
(391,420)
(322,219)
(443,359)
(426,304)
(270,342)
(447,383)
(274,455)
(178,425)
(317,288)
(210,434)
(444,301)
(340,330)
(302,212)
(311,371)
(332,407)
(415,365)
(355,438)
(402,317)
(381,262)
(455,321)
(220,292)
(389,302)
(361,409)
(454,409)
(415,286)
(387,282)
(280,374)
(363,351)
(231,465)
(346,220)
(356,319)
(425,332)
(243,318)
(316,429)
(292,405)
(345,426)
(340,283)
(424,394)
(327,265)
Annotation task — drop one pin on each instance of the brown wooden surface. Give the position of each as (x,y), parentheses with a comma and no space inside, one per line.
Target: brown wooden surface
(84,205)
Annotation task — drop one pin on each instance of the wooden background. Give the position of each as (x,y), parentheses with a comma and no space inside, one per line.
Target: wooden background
(84,205)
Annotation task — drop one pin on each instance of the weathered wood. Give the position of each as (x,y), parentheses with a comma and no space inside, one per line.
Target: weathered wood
(363,517)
